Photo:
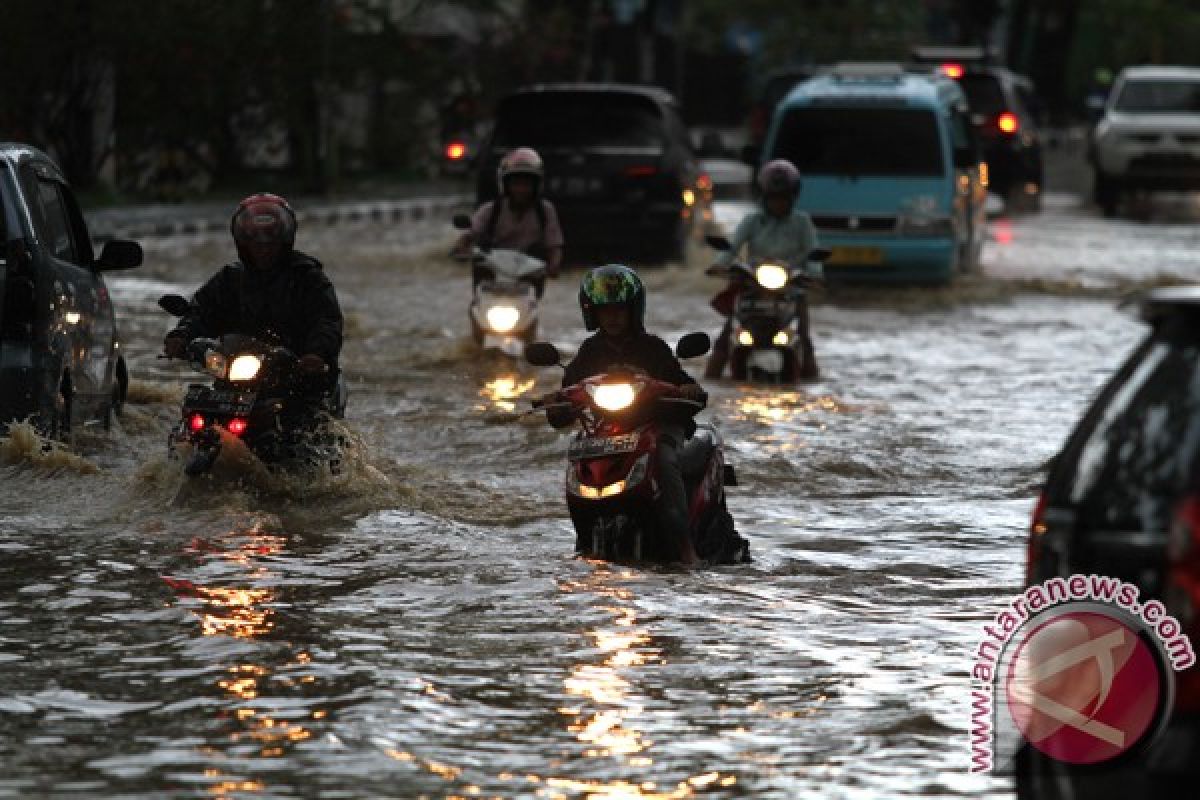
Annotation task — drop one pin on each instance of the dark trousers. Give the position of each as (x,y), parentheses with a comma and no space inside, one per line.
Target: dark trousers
(672,506)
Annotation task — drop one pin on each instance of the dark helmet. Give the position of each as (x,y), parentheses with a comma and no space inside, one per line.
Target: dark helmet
(611,285)
(779,177)
(264,230)
(522,161)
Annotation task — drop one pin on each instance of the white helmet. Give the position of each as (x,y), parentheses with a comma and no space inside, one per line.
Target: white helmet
(522,161)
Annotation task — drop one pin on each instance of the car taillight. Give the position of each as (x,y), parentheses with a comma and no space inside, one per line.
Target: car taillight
(704,183)
(1037,530)
(196,423)
(237,426)
(641,170)
(1008,122)
(455,151)
(952,70)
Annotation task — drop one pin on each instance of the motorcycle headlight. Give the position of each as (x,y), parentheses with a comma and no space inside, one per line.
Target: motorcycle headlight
(245,368)
(771,276)
(216,364)
(781,339)
(503,318)
(745,338)
(614,396)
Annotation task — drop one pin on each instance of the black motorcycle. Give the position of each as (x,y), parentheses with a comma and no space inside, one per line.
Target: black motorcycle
(259,395)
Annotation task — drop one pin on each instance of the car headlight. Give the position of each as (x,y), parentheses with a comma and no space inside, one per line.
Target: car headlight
(614,396)
(771,276)
(245,368)
(781,339)
(216,364)
(745,338)
(503,319)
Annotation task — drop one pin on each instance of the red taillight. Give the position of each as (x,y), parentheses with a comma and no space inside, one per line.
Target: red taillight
(641,170)
(1007,122)
(455,151)
(237,426)
(196,423)
(704,183)
(1037,529)
(952,70)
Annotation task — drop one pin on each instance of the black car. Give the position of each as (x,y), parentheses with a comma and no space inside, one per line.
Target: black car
(59,352)
(619,164)
(1122,500)
(1004,109)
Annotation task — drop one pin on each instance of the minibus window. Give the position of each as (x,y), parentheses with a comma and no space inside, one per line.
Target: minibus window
(861,141)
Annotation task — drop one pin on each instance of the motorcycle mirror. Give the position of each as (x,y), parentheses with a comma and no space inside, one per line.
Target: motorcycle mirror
(820,254)
(174,304)
(717,242)
(542,354)
(462,222)
(693,345)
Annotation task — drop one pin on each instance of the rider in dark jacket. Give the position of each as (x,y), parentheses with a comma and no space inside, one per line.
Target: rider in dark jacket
(613,299)
(272,292)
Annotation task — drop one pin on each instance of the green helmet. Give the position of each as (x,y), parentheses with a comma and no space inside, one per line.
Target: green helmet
(610,285)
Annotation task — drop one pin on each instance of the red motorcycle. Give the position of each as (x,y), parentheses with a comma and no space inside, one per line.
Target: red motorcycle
(612,476)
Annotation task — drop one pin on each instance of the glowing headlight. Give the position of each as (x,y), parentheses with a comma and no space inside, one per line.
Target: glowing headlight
(592,493)
(745,338)
(503,318)
(781,339)
(614,396)
(244,368)
(216,364)
(771,276)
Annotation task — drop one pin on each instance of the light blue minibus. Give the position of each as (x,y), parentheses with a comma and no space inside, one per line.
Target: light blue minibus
(891,170)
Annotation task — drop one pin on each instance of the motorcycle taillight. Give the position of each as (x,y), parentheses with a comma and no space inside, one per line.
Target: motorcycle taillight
(196,422)
(237,426)
(1033,548)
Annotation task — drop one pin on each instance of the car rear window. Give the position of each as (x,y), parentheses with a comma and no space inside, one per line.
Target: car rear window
(584,119)
(1126,471)
(861,141)
(1159,97)
(984,94)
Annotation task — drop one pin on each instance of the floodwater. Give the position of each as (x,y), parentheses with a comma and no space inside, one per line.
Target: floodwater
(418,626)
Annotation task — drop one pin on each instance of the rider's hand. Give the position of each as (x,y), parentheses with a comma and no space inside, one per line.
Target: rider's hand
(693,392)
(175,345)
(312,364)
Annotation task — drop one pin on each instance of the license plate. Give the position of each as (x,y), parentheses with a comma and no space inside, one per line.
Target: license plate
(597,446)
(857,256)
(219,401)
(767,360)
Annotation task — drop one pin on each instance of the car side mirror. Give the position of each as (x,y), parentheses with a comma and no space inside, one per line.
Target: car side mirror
(542,354)
(718,242)
(174,304)
(462,222)
(693,345)
(119,254)
(751,154)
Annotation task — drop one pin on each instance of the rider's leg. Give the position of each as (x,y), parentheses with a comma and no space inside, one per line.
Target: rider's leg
(720,352)
(805,354)
(672,506)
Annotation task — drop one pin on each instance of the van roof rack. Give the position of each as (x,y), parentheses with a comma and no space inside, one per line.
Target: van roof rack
(971,54)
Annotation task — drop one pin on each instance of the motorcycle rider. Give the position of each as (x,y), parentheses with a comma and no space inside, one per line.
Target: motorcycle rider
(613,300)
(519,218)
(271,292)
(776,231)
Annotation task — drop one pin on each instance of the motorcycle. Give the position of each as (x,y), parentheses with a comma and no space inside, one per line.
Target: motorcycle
(764,314)
(504,303)
(612,472)
(259,396)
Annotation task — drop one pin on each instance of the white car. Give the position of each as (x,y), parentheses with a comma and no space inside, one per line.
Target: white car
(1149,136)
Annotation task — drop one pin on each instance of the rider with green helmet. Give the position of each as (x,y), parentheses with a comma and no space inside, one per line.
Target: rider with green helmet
(613,301)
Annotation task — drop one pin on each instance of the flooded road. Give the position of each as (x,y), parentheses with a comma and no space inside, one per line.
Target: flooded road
(418,626)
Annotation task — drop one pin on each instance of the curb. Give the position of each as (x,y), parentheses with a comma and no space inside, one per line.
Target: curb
(410,210)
